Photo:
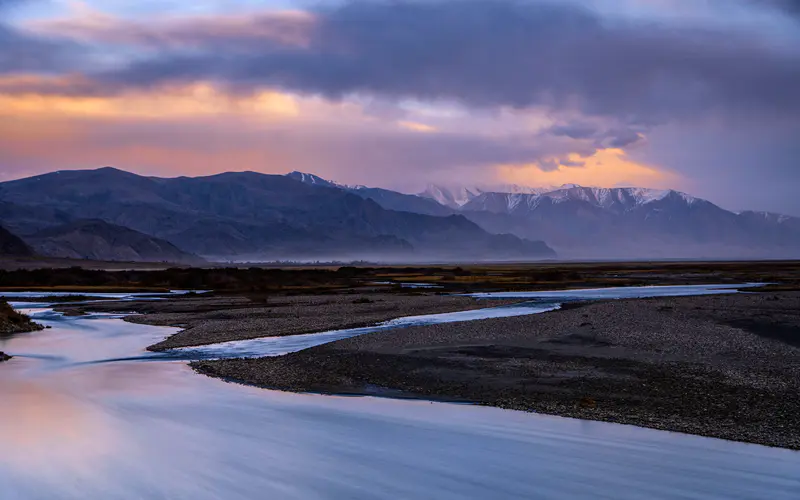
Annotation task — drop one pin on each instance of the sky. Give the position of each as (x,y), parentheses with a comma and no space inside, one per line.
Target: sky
(702,96)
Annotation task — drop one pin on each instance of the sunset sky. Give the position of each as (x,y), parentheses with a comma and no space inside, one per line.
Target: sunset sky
(697,95)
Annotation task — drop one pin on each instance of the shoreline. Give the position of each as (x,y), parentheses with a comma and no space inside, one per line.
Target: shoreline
(211,320)
(388,393)
(721,366)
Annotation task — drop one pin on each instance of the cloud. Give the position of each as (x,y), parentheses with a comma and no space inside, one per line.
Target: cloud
(487,53)
(621,138)
(386,91)
(605,168)
(579,130)
(22,51)
(230,33)
(738,164)
(617,136)
(200,129)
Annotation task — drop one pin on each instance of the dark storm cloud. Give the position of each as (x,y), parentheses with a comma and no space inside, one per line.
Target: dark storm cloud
(575,130)
(20,52)
(505,53)
(741,166)
(618,137)
(621,138)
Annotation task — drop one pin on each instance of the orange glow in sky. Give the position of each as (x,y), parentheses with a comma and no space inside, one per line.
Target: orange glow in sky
(201,129)
(606,168)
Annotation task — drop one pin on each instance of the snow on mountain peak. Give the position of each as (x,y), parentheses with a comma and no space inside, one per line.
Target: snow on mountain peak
(514,196)
(625,198)
(453,197)
(456,196)
(315,180)
(311,179)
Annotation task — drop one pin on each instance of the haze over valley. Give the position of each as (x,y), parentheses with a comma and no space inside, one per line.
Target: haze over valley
(109,214)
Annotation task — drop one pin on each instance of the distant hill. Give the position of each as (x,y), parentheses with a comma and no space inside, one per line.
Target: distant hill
(248,216)
(12,245)
(99,240)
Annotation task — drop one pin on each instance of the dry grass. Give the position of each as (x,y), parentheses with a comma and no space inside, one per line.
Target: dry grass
(453,279)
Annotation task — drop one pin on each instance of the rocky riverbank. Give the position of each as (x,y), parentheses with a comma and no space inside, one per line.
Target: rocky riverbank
(723,366)
(13,322)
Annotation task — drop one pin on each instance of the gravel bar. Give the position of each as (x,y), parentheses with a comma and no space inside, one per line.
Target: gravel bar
(209,320)
(725,366)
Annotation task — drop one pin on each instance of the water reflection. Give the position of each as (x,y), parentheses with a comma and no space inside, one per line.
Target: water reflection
(42,424)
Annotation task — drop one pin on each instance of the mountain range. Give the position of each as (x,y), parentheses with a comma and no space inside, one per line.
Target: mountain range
(458,196)
(606,223)
(111,214)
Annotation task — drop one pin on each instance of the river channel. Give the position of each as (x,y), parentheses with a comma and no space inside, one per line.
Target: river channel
(86,412)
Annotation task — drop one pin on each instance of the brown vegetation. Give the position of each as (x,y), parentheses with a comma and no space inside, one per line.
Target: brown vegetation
(303,280)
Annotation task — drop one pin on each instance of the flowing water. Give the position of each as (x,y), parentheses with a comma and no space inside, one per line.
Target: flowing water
(85,412)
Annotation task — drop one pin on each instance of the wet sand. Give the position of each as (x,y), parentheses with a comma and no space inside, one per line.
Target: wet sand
(724,366)
(208,320)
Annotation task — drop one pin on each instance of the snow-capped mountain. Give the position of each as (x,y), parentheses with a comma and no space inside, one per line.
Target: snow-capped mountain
(636,223)
(453,197)
(592,222)
(313,180)
(616,200)
(458,196)
(390,200)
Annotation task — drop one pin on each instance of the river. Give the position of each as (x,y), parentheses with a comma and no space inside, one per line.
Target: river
(87,413)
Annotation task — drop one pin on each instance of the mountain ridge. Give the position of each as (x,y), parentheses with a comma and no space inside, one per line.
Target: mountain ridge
(253,216)
(101,241)
(624,222)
